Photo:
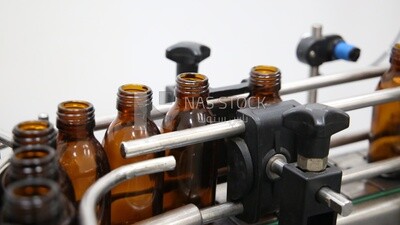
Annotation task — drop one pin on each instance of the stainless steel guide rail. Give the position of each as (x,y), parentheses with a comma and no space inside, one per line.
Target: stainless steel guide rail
(87,209)
(228,128)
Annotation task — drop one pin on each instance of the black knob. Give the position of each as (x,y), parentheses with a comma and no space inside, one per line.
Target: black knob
(314,124)
(187,55)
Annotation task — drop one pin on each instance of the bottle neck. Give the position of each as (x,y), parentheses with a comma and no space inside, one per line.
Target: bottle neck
(395,58)
(33,161)
(191,90)
(265,81)
(75,119)
(134,101)
(34,132)
(32,201)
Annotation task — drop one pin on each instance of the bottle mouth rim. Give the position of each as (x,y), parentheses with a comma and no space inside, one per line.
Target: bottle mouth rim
(33,126)
(29,191)
(192,77)
(75,112)
(32,155)
(75,105)
(134,89)
(265,70)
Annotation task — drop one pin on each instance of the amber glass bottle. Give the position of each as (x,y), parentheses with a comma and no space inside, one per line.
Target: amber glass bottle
(37,161)
(194,178)
(141,197)
(385,127)
(37,201)
(81,155)
(264,85)
(34,132)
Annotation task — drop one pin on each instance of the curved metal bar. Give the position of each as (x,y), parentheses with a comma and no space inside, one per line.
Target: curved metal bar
(87,212)
(220,211)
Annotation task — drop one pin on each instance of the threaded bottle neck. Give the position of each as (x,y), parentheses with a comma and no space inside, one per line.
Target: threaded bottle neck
(32,201)
(265,79)
(34,132)
(134,99)
(395,56)
(75,117)
(192,87)
(33,161)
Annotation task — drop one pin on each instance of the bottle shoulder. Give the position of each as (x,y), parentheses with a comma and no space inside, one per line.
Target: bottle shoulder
(179,120)
(127,130)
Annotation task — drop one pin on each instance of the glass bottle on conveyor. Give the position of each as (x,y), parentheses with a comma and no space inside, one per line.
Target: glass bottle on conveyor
(80,154)
(194,178)
(140,197)
(385,126)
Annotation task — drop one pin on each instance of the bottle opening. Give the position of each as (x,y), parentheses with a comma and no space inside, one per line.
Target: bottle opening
(31,191)
(75,113)
(134,88)
(395,55)
(191,85)
(34,132)
(265,77)
(36,154)
(71,105)
(33,155)
(192,77)
(134,98)
(33,125)
(266,69)
(28,189)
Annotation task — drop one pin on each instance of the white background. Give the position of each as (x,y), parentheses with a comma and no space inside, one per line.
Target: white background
(52,51)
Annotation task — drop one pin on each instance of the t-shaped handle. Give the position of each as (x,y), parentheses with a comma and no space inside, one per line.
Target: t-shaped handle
(314,124)
(187,55)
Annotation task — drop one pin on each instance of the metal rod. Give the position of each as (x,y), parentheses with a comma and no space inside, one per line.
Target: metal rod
(217,212)
(312,94)
(348,139)
(190,214)
(182,138)
(375,98)
(5,138)
(87,209)
(335,201)
(371,170)
(185,215)
(332,79)
(316,33)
